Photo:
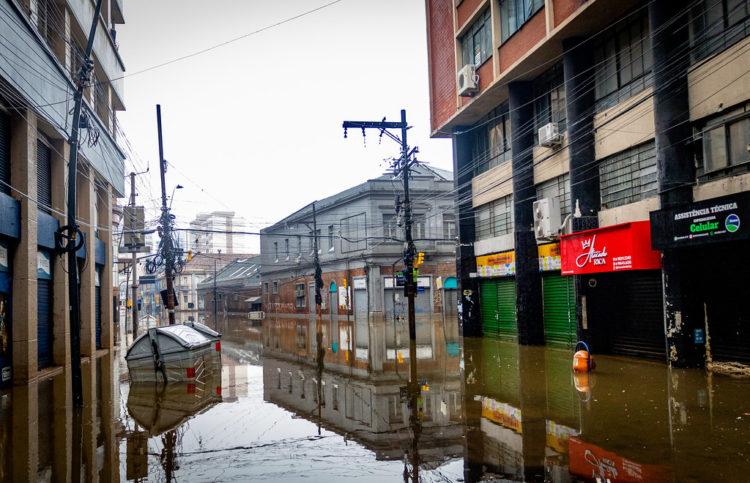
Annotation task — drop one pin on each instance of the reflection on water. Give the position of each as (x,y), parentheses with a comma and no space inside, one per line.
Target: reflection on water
(491,410)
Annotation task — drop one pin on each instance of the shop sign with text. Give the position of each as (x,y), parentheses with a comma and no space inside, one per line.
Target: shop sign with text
(715,220)
(497,265)
(590,461)
(549,257)
(611,249)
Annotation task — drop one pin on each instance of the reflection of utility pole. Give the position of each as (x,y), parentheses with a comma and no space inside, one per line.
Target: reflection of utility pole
(216,321)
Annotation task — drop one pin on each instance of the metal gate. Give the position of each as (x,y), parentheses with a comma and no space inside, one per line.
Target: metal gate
(638,315)
(98,315)
(498,304)
(559,310)
(44,323)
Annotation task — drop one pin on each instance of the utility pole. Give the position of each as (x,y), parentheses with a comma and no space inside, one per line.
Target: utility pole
(134,248)
(216,319)
(166,221)
(410,285)
(70,237)
(319,325)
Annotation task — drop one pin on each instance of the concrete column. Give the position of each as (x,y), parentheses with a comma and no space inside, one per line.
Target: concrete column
(109,417)
(89,429)
(466,263)
(528,279)
(60,293)
(23,178)
(86,193)
(585,196)
(676,172)
(25,422)
(105,234)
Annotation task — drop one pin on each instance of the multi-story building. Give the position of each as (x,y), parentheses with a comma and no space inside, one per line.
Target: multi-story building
(215,233)
(235,289)
(630,120)
(360,250)
(40,58)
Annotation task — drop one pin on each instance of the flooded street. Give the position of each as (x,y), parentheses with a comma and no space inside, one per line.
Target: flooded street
(489,410)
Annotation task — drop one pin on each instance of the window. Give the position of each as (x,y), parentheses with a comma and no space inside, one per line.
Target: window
(335,397)
(331,239)
(557,188)
(726,145)
(265,287)
(276,287)
(515,13)
(628,176)
(549,99)
(623,62)
(43,175)
(275,251)
(302,335)
(314,240)
(716,25)
(418,227)
(476,43)
(390,228)
(354,233)
(299,295)
(185,299)
(449,226)
(236,297)
(491,140)
(494,218)
(286,248)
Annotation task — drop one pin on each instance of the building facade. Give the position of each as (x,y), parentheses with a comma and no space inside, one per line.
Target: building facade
(627,122)
(235,289)
(41,55)
(360,250)
(215,232)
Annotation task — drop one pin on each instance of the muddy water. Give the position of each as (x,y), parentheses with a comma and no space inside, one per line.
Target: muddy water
(486,410)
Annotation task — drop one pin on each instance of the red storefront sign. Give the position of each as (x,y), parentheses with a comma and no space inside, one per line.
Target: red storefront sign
(611,249)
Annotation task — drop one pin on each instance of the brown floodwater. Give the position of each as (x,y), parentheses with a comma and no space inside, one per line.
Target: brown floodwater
(486,410)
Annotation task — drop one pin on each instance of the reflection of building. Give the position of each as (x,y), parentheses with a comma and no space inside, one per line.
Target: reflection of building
(625,118)
(213,233)
(360,248)
(40,60)
(369,407)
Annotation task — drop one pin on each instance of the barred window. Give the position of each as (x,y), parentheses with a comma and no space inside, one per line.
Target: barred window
(716,25)
(494,218)
(549,99)
(628,176)
(558,188)
(623,62)
(390,228)
(476,43)
(491,140)
(299,295)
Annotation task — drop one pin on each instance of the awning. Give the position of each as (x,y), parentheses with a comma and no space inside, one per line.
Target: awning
(254,300)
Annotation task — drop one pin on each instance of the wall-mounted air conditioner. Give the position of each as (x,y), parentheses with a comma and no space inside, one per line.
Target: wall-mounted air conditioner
(467,80)
(546,218)
(549,135)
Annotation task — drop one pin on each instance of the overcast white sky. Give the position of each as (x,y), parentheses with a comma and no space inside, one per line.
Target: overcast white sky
(255,126)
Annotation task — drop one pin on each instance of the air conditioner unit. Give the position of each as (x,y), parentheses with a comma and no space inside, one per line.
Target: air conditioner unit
(467,80)
(549,135)
(300,292)
(546,219)
(259,315)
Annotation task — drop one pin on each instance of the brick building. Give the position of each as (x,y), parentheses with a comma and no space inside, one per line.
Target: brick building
(629,121)
(360,246)
(237,287)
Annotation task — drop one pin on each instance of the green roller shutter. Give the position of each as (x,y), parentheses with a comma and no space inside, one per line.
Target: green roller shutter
(506,308)
(488,300)
(559,310)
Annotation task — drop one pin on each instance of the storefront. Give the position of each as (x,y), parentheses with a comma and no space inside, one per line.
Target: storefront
(497,295)
(558,294)
(712,241)
(6,279)
(44,308)
(622,302)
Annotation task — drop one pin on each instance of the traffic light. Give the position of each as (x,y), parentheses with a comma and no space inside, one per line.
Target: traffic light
(420,259)
(190,255)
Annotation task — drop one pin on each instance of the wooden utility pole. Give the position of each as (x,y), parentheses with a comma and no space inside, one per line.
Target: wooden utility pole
(70,237)
(166,225)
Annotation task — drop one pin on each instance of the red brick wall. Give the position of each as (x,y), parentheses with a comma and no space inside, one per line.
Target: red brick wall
(464,11)
(523,40)
(442,60)
(564,8)
(486,76)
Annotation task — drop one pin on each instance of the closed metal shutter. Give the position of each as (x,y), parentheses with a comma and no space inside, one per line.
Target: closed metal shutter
(44,323)
(506,308)
(639,318)
(98,315)
(559,310)
(4,153)
(488,304)
(43,175)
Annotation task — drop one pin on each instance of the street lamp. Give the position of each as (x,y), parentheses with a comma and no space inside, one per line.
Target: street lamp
(171,198)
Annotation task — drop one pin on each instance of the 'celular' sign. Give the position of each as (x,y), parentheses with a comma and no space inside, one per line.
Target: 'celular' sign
(611,249)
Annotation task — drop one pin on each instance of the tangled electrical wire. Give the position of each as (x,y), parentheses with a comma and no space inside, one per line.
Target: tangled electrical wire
(166,255)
